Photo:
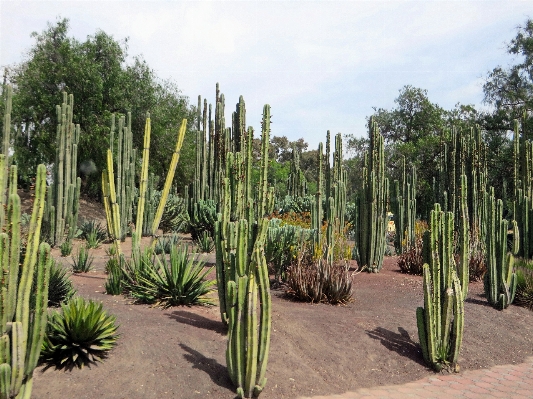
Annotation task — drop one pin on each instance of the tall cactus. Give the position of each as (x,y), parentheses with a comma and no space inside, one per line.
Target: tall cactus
(403,205)
(62,203)
(125,156)
(500,278)
(242,273)
(371,229)
(296,182)
(22,328)
(440,322)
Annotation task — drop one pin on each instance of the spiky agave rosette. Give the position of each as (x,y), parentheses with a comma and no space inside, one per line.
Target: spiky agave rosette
(82,333)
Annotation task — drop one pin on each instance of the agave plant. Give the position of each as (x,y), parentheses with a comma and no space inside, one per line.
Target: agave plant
(181,280)
(66,248)
(93,228)
(81,334)
(205,243)
(82,262)
(165,243)
(60,288)
(115,277)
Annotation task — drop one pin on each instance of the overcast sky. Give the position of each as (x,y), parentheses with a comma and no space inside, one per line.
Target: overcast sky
(321,65)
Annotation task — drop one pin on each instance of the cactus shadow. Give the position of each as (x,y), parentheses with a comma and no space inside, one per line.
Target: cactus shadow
(482,302)
(198,321)
(400,343)
(217,372)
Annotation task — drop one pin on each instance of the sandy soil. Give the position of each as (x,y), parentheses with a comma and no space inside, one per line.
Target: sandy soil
(315,348)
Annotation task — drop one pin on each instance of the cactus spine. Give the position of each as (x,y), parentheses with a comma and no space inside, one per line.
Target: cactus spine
(62,203)
(500,279)
(22,328)
(242,273)
(372,206)
(440,322)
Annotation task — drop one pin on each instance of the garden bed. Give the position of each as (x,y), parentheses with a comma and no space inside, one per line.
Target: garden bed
(315,348)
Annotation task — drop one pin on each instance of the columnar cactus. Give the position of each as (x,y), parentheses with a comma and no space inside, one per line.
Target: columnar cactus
(242,273)
(296,182)
(125,172)
(22,328)
(500,279)
(62,203)
(440,322)
(403,205)
(370,233)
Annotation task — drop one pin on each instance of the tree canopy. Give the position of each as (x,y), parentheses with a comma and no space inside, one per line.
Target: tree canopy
(95,71)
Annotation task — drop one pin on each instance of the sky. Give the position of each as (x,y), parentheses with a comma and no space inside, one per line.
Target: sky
(321,65)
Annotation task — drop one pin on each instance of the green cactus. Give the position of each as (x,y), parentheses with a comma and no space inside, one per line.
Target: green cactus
(403,205)
(62,203)
(22,327)
(440,322)
(500,278)
(242,274)
(372,219)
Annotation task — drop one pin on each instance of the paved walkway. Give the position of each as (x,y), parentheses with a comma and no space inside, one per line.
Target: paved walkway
(510,382)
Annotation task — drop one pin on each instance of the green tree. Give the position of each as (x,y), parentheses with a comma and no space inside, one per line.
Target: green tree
(96,73)
(511,90)
(413,129)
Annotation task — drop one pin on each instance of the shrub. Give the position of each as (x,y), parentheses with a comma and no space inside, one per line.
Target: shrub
(60,288)
(205,243)
(282,245)
(66,248)
(411,261)
(81,334)
(164,283)
(318,281)
(82,262)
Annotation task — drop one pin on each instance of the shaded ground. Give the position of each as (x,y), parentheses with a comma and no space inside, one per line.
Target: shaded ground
(315,348)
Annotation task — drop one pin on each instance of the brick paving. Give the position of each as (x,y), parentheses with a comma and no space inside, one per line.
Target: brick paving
(513,381)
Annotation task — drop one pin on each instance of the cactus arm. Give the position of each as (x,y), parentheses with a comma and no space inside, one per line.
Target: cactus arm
(143,185)
(170,177)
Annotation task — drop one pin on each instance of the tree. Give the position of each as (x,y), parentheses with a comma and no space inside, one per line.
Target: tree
(413,129)
(96,73)
(511,90)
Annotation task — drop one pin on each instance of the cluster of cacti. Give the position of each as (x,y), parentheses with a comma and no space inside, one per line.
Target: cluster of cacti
(113,208)
(463,154)
(125,156)
(440,322)
(523,189)
(242,275)
(372,201)
(296,182)
(500,278)
(62,202)
(331,195)
(22,326)
(403,205)
(203,195)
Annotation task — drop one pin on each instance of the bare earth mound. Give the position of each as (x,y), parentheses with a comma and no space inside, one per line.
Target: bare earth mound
(315,348)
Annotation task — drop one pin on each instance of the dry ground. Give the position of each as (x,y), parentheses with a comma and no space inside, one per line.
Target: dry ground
(315,348)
